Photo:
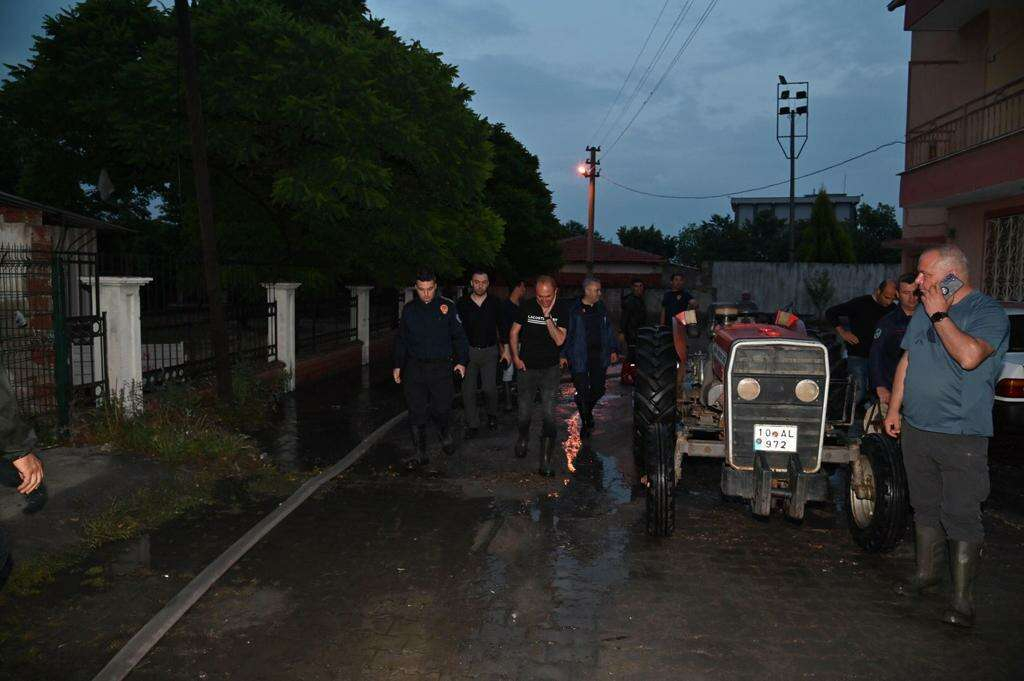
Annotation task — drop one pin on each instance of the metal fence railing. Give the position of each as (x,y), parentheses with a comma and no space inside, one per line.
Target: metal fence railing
(993,115)
(52,339)
(175,315)
(324,323)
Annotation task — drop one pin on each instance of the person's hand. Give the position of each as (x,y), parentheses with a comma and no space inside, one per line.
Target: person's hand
(934,301)
(883,394)
(563,362)
(892,424)
(460,369)
(397,375)
(615,358)
(520,364)
(849,337)
(506,356)
(30,468)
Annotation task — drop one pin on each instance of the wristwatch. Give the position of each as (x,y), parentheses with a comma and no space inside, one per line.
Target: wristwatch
(938,317)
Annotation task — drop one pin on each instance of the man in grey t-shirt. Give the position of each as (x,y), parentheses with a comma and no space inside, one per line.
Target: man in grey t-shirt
(945,383)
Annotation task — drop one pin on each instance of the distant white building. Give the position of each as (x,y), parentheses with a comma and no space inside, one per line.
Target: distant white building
(745,208)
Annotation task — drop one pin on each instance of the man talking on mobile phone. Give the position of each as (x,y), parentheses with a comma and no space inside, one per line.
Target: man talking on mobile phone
(945,384)
(535,340)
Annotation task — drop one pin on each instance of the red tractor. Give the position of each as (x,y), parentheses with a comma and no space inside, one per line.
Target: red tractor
(766,398)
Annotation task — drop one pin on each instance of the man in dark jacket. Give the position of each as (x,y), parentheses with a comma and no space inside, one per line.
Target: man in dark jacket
(430,336)
(855,322)
(589,348)
(885,348)
(17,440)
(634,315)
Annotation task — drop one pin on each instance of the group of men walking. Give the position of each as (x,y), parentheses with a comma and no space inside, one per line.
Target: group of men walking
(931,362)
(532,341)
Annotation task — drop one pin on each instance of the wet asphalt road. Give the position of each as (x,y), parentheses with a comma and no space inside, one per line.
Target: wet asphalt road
(475,568)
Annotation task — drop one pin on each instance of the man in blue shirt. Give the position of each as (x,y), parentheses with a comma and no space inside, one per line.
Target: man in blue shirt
(430,337)
(945,384)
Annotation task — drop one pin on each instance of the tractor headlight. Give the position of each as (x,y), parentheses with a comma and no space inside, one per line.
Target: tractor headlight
(748,389)
(807,390)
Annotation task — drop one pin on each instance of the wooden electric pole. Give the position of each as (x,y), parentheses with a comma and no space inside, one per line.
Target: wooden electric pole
(201,170)
(592,173)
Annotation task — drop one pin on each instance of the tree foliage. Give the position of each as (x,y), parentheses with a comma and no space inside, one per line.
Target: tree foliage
(876,225)
(331,141)
(650,239)
(823,238)
(721,238)
(519,196)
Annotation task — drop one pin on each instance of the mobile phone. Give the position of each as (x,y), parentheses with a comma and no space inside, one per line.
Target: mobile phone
(950,285)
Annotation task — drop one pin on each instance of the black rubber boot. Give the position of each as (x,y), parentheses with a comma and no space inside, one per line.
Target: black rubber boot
(419,439)
(447,442)
(547,456)
(523,443)
(930,543)
(963,564)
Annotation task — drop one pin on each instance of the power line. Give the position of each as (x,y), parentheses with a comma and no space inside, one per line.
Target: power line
(754,189)
(679,53)
(665,42)
(632,68)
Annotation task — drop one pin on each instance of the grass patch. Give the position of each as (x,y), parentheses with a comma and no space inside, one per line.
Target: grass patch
(202,442)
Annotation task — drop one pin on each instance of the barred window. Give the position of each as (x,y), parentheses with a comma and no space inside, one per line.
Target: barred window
(1004,257)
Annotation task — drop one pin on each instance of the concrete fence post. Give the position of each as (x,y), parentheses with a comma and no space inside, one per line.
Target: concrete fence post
(363,319)
(283,294)
(119,299)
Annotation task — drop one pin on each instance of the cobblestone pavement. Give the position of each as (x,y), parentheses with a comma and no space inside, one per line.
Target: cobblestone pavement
(478,569)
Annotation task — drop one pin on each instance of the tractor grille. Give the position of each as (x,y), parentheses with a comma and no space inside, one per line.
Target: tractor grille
(778,369)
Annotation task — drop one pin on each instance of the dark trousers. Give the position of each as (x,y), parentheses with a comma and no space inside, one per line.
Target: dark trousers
(948,479)
(526,383)
(483,362)
(589,387)
(428,392)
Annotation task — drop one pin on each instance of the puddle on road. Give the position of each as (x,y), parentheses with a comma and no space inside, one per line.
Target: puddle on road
(320,423)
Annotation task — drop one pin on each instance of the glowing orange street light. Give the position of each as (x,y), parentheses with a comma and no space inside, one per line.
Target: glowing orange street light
(582,169)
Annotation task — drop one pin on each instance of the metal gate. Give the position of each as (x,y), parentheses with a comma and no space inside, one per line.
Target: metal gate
(52,333)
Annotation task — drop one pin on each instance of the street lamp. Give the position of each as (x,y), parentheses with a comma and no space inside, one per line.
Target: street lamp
(792,108)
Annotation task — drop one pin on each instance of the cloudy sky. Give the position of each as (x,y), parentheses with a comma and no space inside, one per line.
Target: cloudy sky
(550,71)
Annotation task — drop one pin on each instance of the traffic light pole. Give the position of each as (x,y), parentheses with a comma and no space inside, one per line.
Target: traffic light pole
(592,174)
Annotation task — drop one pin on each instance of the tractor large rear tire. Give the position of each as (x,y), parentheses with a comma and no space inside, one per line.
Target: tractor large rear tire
(878,525)
(654,396)
(660,441)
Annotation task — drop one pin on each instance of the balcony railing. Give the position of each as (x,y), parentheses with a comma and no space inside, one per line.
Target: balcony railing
(993,115)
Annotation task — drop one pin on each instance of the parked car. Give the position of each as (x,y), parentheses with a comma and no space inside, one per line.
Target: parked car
(1008,410)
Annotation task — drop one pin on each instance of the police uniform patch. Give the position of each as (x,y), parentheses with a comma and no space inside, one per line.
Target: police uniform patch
(444,309)
(878,333)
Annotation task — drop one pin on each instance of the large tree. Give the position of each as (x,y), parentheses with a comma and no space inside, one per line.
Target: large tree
(517,193)
(823,238)
(331,141)
(648,238)
(874,227)
(717,238)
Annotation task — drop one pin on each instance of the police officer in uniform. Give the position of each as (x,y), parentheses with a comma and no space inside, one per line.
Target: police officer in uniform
(430,336)
(885,348)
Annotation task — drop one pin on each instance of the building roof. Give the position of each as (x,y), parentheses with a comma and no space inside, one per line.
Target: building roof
(807,198)
(574,249)
(58,216)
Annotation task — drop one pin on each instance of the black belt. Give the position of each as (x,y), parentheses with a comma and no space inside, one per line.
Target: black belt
(440,360)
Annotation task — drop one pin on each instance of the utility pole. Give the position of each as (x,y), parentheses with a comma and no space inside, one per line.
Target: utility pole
(785,109)
(590,170)
(204,199)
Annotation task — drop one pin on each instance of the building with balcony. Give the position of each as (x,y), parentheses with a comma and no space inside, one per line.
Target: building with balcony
(963,180)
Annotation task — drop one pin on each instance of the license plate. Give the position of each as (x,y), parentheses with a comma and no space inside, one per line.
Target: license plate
(768,438)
